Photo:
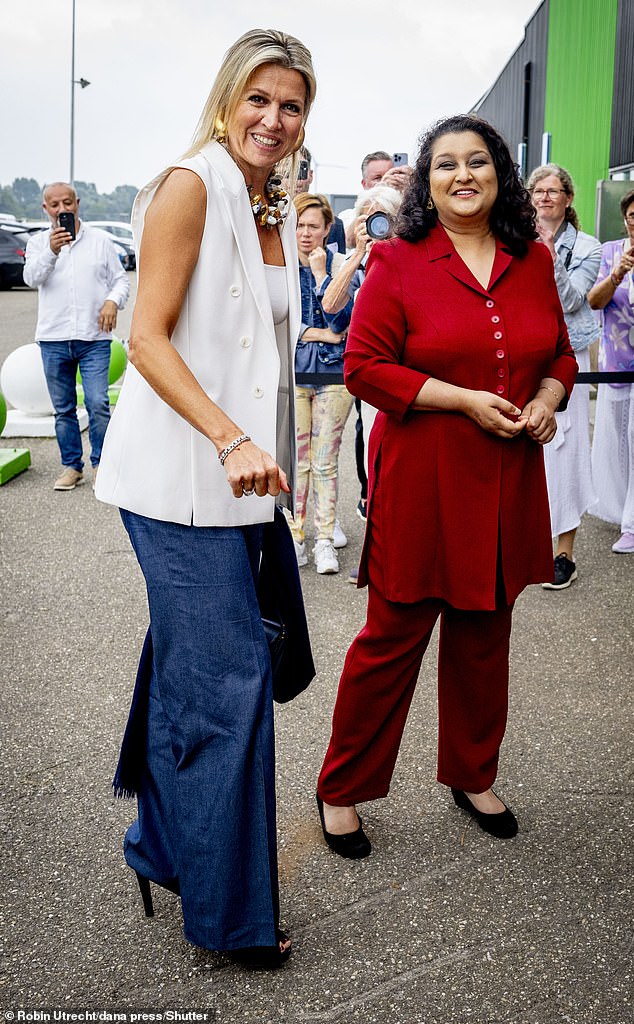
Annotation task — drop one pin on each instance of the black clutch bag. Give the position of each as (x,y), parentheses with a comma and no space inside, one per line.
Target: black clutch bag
(283,614)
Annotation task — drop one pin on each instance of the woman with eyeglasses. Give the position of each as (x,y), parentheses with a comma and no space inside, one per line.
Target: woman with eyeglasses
(576,257)
(613,442)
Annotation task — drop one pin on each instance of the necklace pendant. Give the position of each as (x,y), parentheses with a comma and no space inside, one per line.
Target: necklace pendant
(271,211)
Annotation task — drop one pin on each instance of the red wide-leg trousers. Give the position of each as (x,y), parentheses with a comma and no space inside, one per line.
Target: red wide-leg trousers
(377,686)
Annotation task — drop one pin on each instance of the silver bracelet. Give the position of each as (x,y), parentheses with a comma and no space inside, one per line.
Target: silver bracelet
(232,447)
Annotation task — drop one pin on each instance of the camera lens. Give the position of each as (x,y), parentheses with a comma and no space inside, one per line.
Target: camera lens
(378,225)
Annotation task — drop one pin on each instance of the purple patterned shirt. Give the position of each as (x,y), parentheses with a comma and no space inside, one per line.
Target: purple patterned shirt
(616,349)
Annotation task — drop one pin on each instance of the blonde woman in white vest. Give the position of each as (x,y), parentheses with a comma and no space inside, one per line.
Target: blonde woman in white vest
(200,447)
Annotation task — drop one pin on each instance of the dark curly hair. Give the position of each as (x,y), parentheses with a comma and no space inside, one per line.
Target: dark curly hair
(512,217)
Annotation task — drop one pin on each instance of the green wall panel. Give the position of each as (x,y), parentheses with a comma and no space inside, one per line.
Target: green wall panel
(579,81)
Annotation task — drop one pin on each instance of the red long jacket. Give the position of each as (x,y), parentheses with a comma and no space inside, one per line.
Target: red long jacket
(451,493)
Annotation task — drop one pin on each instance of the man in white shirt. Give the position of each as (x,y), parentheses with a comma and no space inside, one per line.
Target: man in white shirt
(81,286)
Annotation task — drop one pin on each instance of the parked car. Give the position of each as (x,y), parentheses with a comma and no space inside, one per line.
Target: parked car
(12,247)
(124,251)
(121,233)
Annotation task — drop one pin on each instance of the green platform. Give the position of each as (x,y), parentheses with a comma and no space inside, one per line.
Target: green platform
(12,462)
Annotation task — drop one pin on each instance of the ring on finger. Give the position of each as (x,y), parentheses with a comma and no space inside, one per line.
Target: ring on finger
(248,491)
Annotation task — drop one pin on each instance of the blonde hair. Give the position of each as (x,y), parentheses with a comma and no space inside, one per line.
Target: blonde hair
(307,200)
(240,62)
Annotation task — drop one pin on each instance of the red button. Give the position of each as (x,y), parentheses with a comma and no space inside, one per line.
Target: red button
(495,319)
(490,303)
(501,373)
(500,389)
(497,335)
(500,353)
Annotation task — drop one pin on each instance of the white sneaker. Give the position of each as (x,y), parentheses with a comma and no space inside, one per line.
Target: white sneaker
(326,560)
(300,551)
(339,538)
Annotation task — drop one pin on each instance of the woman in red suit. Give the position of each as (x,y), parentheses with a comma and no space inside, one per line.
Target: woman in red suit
(459,340)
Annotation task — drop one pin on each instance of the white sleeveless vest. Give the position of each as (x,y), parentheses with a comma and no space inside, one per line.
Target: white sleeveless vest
(154,463)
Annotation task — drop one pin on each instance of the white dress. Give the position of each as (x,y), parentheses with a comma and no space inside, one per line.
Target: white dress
(613,456)
(567,456)
(613,440)
(567,459)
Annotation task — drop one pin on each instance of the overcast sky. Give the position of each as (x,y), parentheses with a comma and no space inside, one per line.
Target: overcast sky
(385,70)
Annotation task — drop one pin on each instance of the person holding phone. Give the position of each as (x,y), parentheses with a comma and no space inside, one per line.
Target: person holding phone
(81,286)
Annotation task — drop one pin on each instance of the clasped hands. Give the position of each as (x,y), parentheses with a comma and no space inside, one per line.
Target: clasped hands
(497,416)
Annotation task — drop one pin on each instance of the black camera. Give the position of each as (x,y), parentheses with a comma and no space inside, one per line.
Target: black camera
(304,167)
(379,225)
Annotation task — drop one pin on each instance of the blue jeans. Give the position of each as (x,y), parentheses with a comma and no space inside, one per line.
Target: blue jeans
(61,360)
(206,824)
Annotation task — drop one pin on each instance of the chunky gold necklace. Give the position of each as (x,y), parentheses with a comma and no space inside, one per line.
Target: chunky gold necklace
(271,210)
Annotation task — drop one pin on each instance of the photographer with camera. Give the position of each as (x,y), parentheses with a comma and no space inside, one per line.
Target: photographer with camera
(378,168)
(375,215)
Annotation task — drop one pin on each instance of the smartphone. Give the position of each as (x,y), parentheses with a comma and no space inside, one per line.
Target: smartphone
(66,220)
(400,159)
(302,174)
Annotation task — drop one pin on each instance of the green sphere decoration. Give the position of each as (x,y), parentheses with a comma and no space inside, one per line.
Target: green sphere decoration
(118,362)
(3,412)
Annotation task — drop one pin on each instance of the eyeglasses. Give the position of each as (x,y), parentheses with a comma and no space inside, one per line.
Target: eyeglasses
(630,217)
(552,193)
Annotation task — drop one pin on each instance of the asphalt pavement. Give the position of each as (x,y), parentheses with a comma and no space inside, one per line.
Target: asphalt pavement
(440,924)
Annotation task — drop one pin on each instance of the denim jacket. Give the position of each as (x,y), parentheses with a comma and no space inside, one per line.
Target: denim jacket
(576,269)
(320,357)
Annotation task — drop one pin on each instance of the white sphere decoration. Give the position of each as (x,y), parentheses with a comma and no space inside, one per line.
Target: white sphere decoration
(23,382)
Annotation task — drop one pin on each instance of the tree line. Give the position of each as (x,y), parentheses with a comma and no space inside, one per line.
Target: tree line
(23,199)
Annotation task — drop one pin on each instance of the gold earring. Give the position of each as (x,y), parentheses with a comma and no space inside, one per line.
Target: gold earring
(300,142)
(430,204)
(220,131)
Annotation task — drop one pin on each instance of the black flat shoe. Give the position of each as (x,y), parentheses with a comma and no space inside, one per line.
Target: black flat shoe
(265,958)
(502,826)
(353,845)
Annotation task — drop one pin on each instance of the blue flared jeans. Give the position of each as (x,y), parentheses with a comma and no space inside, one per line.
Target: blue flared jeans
(206,806)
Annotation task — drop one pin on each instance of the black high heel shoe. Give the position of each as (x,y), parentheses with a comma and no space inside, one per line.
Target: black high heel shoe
(502,825)
(353,845)
(146,894)
(265,958)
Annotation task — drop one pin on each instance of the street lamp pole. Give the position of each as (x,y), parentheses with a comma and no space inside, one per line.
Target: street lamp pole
(73,82)
(72,105)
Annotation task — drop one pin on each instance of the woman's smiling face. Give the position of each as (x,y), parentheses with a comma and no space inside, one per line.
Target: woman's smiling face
(462,179)
(267,121)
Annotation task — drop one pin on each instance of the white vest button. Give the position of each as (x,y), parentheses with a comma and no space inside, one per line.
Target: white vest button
(245,342)
(235,290)
(258,391)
